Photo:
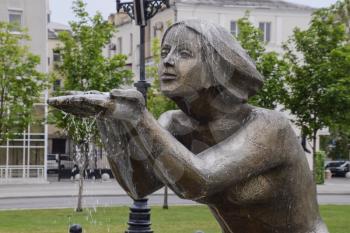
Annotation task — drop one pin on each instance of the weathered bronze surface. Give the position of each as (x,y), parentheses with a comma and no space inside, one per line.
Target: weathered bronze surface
(244,162)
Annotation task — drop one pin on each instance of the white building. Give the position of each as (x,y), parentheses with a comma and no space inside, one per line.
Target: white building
(276,18)
(23,158)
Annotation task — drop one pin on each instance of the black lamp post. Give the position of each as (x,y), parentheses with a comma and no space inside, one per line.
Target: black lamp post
(141,11)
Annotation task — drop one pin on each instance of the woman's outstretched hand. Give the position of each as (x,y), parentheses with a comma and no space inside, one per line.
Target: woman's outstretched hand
(119,104)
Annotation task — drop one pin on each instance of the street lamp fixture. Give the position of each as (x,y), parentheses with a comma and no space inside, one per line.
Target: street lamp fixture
(141,11)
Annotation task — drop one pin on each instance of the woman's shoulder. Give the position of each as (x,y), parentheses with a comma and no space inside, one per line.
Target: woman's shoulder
(270,117)
(176,122)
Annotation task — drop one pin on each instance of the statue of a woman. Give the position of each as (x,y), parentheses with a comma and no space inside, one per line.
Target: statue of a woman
(244,162)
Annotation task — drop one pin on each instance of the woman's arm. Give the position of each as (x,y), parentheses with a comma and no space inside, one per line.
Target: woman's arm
(257,147)
(254,149)
(128,159)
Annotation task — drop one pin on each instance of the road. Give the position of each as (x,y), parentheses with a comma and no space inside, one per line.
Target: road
(70,202)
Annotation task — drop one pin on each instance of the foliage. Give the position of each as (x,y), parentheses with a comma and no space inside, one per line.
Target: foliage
(250,38)
(320,158)
(83,67)
(318,79)
(341,10)
(340,135)
(21,84)
(340,128)
(156,102)
(267,63)
(177,219)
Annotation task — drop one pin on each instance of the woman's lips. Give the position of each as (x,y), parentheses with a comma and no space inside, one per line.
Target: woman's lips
(167,77)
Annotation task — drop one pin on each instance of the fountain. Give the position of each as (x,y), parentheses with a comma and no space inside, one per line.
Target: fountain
(245,163)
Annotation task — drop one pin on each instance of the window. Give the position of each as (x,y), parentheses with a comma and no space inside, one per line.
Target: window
(265,27)
(59,146)
(56,55)
(131,50)
(111,49)
(15,17)
(120,45)
(234,28)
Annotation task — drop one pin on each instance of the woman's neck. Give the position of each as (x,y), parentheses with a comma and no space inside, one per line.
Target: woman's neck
(208,106)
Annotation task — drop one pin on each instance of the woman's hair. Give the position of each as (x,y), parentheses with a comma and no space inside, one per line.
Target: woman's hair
(233,70)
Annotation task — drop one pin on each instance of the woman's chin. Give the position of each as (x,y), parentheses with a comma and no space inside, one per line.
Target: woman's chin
(169,89)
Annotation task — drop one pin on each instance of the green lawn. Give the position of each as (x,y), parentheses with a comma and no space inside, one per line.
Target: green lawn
(177,219)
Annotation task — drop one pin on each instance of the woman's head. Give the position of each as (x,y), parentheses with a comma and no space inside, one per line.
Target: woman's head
(198,55)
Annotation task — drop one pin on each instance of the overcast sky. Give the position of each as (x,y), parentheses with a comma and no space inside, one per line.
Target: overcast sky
(61,11)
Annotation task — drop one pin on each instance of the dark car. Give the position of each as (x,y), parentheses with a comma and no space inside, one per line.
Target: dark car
(338,168)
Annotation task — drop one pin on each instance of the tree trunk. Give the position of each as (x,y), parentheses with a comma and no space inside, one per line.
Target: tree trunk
(314,138)
(82,171)
(165,202)
(80,192)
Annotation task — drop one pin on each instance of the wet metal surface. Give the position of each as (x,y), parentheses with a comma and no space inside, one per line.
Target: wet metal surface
(244,162)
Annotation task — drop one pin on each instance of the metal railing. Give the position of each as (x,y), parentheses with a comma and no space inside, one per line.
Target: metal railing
(11,172)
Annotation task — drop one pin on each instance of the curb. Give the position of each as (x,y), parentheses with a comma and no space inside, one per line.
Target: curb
(335,194)
(86,195)
(125,195)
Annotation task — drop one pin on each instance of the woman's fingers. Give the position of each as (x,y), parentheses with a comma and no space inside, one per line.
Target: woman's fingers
(130,94)
(81,92)
(119,104)
(81,104)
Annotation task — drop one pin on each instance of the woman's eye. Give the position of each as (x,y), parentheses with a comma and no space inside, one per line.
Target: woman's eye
(185,54)
(164,53)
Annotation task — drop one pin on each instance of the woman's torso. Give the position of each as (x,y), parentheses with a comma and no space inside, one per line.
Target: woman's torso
(282,199)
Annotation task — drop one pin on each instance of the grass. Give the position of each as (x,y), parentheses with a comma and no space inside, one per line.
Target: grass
(185,219)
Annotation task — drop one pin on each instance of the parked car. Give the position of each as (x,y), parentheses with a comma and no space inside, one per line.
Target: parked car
(338,168)
(53,161)
(52,165)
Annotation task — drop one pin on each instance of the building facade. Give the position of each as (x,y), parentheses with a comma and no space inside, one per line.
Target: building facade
(23,158)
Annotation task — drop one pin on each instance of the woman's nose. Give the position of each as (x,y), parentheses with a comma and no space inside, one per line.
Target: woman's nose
(169,60)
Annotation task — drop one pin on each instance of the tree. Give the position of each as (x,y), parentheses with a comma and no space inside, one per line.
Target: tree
(341,10)
(21,84)
(318,77)
(83,67)
(340,143)
(267,63)
(156,102)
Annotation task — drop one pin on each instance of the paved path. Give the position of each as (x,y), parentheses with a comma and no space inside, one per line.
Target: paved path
(88,202)
(334,186)
(63,189)
(104,201)
(96,193)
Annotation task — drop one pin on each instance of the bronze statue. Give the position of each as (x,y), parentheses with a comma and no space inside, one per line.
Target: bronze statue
(244,162)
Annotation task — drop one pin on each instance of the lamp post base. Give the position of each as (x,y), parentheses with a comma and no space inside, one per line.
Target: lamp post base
(139,217)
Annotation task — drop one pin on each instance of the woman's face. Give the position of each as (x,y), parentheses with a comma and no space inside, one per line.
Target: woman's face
(182,71)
